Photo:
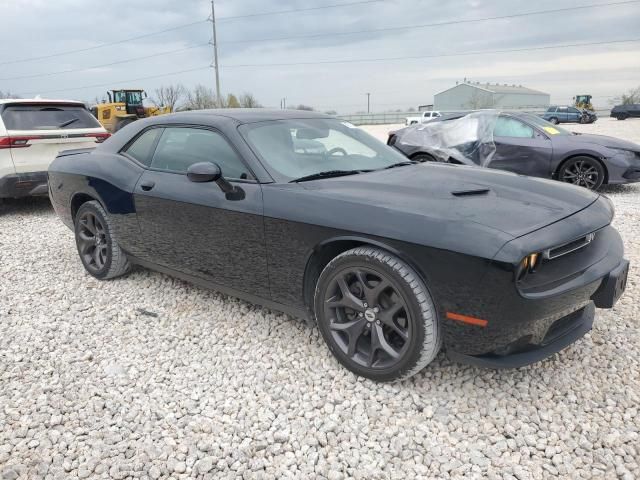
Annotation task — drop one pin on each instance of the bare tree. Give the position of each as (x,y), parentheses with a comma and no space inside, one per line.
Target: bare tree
(200,98)
(7,94)
(247,100)
(631,97)
(169,96)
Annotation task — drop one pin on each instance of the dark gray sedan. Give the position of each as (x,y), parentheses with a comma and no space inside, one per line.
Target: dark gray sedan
(525,144)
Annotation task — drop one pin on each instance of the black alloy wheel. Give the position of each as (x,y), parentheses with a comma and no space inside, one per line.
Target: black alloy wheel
(93,244)
(583,171)
(424,157)
(97,245)
(376,315)
(554,120)
(370,320)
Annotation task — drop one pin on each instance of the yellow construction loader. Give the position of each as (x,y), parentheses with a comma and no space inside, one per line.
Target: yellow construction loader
(124,107)
(583,101)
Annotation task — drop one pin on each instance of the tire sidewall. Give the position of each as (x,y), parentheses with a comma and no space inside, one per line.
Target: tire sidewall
(416,341)
(92,207)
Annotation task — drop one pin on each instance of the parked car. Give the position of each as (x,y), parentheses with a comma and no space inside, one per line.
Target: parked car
(392,259)
(568,114)
(526,144)
(622,112)
(424,117)
(32,132)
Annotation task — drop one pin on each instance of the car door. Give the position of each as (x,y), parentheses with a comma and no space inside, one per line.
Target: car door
(195,228)
(520,148)
(563,114)
(573,115)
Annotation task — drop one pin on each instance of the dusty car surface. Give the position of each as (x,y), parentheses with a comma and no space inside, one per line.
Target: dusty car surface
(522,143)
(392,259)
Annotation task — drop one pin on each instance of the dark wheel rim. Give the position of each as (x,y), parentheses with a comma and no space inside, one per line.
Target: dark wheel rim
(368,319)
(581,172)
(92,241)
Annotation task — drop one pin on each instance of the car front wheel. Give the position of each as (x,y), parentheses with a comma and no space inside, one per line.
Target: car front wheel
(583,171)
(376,315)
(554,120)
(97,246)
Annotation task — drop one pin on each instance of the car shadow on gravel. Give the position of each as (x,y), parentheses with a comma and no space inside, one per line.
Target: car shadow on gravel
(30,205)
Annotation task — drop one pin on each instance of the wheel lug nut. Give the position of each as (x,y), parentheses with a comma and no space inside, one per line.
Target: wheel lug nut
(360,314)
(376,309)
(365,305)
(377,322)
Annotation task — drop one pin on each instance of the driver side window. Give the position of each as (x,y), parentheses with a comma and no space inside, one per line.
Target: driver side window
(510,127)
(181,147)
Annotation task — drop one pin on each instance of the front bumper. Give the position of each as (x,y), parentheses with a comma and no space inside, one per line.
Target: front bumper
(23,185)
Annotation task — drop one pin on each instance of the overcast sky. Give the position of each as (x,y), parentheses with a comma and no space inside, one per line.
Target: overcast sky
(43,28)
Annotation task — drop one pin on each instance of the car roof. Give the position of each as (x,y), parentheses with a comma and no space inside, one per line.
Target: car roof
(251,115)
(5,101)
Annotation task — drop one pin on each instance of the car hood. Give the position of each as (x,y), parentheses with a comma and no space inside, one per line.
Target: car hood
(602,140)
(455,194)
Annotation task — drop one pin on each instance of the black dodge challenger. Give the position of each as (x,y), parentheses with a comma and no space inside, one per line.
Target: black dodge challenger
(309,215)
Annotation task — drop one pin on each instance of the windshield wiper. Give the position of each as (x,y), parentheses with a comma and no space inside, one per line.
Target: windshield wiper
(328,174)
(68,122)
(400,164)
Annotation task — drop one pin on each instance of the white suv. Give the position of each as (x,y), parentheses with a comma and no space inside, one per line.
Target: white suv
(32,133)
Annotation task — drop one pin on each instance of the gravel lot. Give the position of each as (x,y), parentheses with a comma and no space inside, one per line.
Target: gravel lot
(149,377)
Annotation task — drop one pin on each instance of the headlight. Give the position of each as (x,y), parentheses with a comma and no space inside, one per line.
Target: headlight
(626,154)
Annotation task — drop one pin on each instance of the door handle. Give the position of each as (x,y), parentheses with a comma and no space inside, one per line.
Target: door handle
(147,185)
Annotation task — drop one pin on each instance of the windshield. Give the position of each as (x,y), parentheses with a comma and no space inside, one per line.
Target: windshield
(303,147)
(128,97)
(548,127)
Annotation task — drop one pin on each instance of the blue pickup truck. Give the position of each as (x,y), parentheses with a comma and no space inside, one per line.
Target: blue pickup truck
(563,114)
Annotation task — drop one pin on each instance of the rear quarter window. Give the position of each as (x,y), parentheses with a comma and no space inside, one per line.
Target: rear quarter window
(47,117)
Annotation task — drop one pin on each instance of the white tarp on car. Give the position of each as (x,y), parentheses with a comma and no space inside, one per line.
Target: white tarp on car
(468,140)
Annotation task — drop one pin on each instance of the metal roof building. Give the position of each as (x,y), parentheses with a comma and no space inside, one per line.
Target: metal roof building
(473,95)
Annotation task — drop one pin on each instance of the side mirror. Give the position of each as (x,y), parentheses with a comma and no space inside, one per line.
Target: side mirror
(209,172)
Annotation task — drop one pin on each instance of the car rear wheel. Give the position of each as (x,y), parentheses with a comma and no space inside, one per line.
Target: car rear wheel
(376,315)
(97,246)
(554,120)
(622,117)
(583,171)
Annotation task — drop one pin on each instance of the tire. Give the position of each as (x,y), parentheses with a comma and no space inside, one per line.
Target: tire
(423,157)
(402,312)
(583,171)
(554,120)
(123,123)
(110,261)
(622,117)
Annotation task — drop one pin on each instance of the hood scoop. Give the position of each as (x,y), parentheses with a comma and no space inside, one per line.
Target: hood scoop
(469,193)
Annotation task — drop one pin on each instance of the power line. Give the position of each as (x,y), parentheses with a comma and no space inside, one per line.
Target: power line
(102,45)
(128,60)
(167,74)
(308,9)
(435,24)
(418,57)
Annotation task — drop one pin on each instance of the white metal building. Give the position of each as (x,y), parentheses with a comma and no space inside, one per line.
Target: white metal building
(474,95)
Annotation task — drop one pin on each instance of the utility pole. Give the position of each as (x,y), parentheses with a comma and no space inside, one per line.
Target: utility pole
(368,102)
(215,52)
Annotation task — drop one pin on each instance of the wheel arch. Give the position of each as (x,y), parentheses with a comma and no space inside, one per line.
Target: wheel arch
(330,248)
(556,173)
(80,199)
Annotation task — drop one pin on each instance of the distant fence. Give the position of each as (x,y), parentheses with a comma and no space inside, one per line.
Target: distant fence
(389,118)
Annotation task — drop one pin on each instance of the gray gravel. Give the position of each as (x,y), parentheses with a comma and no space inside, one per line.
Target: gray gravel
(149,377)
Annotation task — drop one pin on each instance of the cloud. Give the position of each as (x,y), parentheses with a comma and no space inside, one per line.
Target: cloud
(40,28)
